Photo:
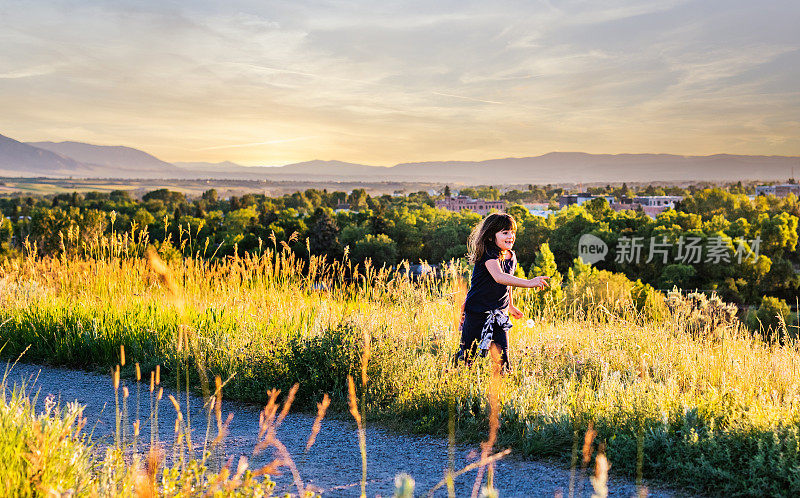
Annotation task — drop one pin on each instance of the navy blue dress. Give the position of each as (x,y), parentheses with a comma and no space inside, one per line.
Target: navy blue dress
(484,315)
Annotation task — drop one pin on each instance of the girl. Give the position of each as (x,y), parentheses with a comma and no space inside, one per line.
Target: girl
(489,302)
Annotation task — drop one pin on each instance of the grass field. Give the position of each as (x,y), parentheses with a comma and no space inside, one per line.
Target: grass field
(716,411)
(47,453)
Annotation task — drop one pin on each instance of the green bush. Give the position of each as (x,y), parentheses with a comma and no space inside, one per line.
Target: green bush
(771,316)
(599,292)
(379,248)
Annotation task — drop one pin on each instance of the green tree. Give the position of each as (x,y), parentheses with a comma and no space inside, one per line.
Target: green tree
(45,225)
(324,238)
(357,199)
(599,208)
(165,195)
(771,316)
(6,233)
(550,298)
(380,249)
(678,275)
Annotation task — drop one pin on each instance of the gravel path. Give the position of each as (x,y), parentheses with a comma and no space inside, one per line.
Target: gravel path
(333,465)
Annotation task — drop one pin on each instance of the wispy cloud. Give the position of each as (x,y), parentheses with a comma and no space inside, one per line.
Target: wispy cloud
(28,72)
(467,98)
(388,82)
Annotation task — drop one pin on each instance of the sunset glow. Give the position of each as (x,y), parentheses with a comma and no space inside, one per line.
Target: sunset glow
(269,83)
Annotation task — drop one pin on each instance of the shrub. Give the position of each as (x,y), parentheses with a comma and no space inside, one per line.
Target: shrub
(771,316)
(601,292)
(700,314)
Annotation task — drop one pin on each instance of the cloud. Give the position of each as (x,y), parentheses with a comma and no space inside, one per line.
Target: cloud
(467,98)
(385,82)
(28,72)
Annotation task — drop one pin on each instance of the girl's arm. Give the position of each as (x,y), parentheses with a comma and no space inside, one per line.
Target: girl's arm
(503,278)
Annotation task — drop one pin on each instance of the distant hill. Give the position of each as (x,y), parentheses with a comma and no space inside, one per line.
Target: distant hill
(99,161)
(20,159)
(559,167)
(115,157)
(316,168)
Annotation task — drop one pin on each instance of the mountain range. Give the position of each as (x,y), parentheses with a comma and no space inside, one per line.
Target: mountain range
(76,159)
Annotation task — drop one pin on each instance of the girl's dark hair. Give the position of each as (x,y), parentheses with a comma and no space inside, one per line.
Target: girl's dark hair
(482,236)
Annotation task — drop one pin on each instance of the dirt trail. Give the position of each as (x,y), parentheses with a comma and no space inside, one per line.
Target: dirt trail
(334,463)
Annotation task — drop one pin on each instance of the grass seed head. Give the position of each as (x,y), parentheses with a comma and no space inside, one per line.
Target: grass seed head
(351,398)
(287,403)
(321,409)
(162,270)
(587,443)
(365,357)
(600,478)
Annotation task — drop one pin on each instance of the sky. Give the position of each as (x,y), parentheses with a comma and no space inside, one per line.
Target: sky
(380,82)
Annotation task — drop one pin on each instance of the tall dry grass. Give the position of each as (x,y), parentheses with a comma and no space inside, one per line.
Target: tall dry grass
(713,410)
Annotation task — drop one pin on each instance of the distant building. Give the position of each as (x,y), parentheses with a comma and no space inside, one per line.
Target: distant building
(781,190)
(569,199)
(658,200)
(651,205)
(539,209)
(480,206)
(342,207)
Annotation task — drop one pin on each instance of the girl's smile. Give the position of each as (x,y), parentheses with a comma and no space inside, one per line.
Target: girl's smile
(504,239)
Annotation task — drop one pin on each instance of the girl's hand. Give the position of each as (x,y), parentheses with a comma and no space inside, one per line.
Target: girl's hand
(539,282)
(515,312)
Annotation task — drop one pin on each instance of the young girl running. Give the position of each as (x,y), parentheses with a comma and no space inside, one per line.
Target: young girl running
(489,301)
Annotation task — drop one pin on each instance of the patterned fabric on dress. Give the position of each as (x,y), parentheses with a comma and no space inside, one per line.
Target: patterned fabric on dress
(494,318)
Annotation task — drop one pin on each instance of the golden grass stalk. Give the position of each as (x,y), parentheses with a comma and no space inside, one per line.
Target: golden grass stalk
(587,443)
(162,270)
(269,469)
(267,415)
(177,407)
(600,478)
(287,404)
(117,415)
(494,419)
(138,394)
(321,409)
(267,425)
(362,437)
(365,358)
(480,463)
(218,402)
(125,394)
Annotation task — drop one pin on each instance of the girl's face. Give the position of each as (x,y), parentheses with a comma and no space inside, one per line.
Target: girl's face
(504,239)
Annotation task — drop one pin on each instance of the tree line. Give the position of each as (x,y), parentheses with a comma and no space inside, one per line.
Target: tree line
(389,229)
